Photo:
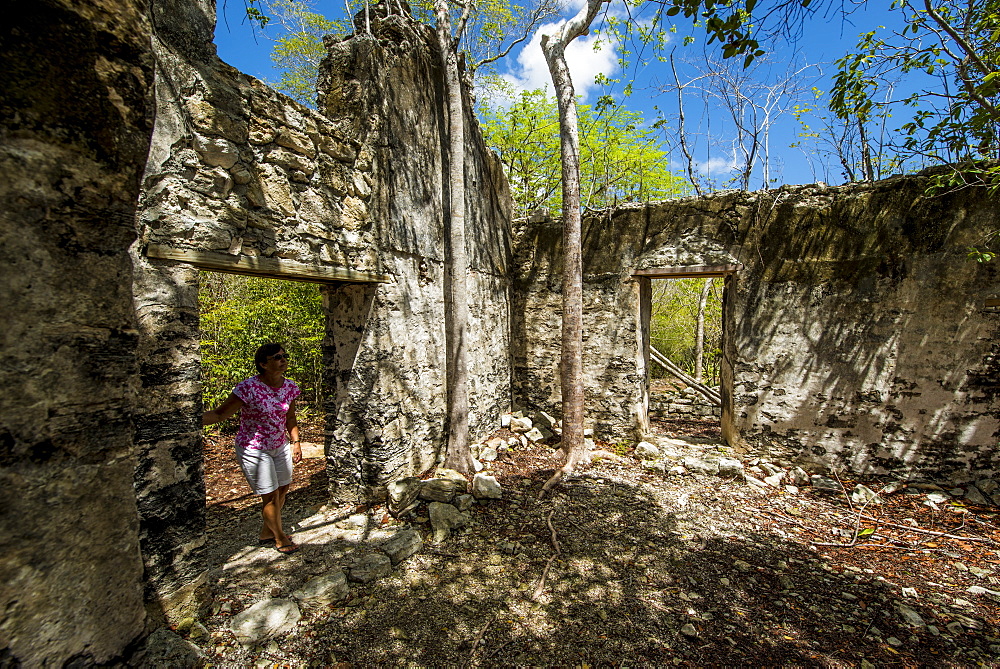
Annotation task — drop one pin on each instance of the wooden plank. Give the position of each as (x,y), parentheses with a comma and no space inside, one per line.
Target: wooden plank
(668,364)
(275,268)
(993,302)
(698,271)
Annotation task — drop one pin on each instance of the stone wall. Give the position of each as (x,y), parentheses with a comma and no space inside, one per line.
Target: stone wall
(388,412)
(855,335)
(74,129)
(238,171)
(682,403)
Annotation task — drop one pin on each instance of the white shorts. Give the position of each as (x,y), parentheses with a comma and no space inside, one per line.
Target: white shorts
(266,470)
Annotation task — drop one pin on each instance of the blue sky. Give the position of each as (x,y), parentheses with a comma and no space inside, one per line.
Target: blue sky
(823,40)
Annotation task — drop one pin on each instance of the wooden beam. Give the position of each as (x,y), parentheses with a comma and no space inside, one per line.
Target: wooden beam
(665,362)
(698,271)
(993,302)
(274,268)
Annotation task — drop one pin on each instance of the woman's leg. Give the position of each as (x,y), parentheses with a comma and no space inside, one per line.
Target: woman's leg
(271,513)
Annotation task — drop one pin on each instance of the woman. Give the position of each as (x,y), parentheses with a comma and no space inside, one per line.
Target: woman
(266,403)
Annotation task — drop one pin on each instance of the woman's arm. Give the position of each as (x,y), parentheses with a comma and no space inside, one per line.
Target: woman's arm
(223,412)
(292,425)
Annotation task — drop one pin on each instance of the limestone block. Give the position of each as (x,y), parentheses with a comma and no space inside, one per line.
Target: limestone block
(241,174)
(323,590)
(164,648)
(213,121)
(370,568)
(520,424)
(730,467)
(402,545)
(261,131)
(216,151)
(275,189)
(444,519)
(317,214)
(535,435)
(337,148)
(485,486)
(290,161)
(265,619)
(299,142)
(441,490)
(646,451)
(214,182)
(360,187)
(355,213)
(403,494)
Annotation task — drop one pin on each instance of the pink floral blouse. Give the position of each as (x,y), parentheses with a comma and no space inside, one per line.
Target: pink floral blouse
(262,418)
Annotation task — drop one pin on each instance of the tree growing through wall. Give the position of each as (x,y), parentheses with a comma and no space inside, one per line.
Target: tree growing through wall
(732,24)
(492,42)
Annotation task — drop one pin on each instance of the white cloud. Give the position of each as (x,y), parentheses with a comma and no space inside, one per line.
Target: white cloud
(584,62)
(717,166)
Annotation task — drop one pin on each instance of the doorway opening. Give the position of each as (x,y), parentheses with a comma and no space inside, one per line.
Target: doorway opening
(685,350)
(238,313)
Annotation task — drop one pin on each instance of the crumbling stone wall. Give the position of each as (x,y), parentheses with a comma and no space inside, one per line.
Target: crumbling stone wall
(74,129)
(385,90)
(240,171)
(855,336)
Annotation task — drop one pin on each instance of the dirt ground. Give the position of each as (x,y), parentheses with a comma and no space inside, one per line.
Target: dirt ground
(623,566)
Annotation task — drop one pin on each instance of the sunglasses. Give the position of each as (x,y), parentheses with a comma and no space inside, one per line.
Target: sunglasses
(278,356)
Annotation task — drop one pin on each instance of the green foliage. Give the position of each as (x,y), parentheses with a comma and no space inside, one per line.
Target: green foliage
(672,325)
(621,157)
(297,33)
(493,28)
(949,55)
(240,313)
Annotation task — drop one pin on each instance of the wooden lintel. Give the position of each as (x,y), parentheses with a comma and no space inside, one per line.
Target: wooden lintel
(702,271)
(274,268)
(993,302)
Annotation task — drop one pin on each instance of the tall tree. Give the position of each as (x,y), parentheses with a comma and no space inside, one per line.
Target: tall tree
(491,42)
(458,455)
(699,338)
(554,46)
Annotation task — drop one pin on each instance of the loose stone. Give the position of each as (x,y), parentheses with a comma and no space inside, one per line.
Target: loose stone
(485,486)
(371,567)
(265,619)
(323,590)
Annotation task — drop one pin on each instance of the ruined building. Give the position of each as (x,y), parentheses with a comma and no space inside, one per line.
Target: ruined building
(856,334)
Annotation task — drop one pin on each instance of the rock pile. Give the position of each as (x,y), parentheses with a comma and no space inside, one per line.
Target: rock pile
(677,457)
(683,403)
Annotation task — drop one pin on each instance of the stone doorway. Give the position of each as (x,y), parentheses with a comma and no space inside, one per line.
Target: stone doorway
(170,473)
(681,310)
(237,313)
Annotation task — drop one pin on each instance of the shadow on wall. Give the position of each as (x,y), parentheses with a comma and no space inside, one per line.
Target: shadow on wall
(859,329)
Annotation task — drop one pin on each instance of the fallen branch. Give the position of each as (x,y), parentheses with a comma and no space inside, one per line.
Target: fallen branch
(668,364)
(930,532)
(784,518)
(540,588)
(479,638)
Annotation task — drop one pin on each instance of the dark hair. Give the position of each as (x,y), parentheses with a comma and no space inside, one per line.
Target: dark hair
(264,352)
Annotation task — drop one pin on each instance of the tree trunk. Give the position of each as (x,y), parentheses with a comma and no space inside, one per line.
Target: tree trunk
(457,455)
(571,374)
(699,333)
